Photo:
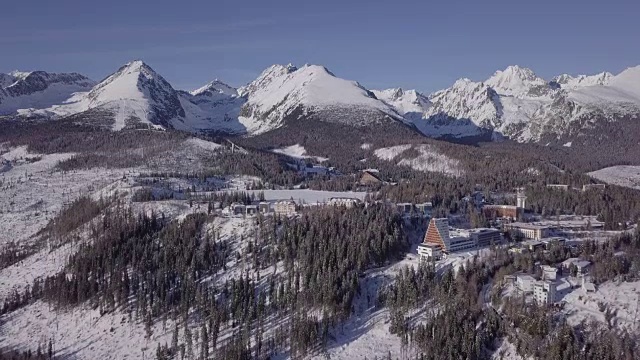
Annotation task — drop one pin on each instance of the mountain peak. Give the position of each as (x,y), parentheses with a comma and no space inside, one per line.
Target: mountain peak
(514,81)
(216,87)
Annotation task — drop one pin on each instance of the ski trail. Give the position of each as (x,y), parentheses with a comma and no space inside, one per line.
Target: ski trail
(119,125)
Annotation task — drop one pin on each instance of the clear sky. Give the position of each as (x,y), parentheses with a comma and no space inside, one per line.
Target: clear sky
(418,44)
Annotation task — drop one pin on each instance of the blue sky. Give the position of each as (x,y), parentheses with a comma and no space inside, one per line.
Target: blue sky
(413,44)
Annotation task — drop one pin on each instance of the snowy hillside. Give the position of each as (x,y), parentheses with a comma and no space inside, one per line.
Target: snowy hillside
(427,159)
(38,89)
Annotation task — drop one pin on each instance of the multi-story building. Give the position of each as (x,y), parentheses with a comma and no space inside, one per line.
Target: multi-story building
(285,207)
(525,282)
(438,235)
(549,272)
(544,292)
(484,237)
(527,231)
(429,251)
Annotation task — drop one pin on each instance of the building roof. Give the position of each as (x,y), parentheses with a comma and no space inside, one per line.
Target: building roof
(500,206)
(527,226)
(483,230)
(430,246)
(577,262)
(525,277)
(589,286)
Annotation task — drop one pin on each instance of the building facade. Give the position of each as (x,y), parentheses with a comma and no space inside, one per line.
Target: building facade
(501,211)
(346,202)
(438,235)
(527,231)
(544,292)
(285,207)
(485,237)
(525,283)
(429,251)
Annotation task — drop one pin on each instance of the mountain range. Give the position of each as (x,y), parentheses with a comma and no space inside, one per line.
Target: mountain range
(514,103)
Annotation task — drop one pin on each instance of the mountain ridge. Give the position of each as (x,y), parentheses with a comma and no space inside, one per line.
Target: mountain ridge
(513,103)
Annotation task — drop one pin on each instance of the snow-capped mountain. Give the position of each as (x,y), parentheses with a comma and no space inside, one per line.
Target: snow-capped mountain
(280,91)
(38,89)
(517,81)
(136,93)
(513,103)
(215,89)
(214,107)
(408,103)
(518,104)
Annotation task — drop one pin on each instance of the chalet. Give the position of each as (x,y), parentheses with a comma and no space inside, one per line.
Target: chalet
(370,177)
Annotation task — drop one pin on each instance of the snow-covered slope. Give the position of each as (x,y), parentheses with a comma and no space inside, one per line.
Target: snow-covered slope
(38,89)
(567,81)
(408,103)
(215,106)
(281,90)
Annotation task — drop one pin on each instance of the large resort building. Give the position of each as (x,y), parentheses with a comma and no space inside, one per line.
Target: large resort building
(440,239)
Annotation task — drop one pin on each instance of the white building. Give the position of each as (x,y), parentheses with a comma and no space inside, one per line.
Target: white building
(544,292)
(404,208)
(424,208)
(429,251)
(549,272)
(251,209)
(525,282)
(285,207)
(527,231)
(344,201)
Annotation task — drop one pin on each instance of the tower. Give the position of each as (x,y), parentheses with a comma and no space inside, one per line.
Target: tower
(521,199)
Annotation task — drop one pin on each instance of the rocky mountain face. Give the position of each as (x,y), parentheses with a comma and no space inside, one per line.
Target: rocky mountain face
(38,89)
